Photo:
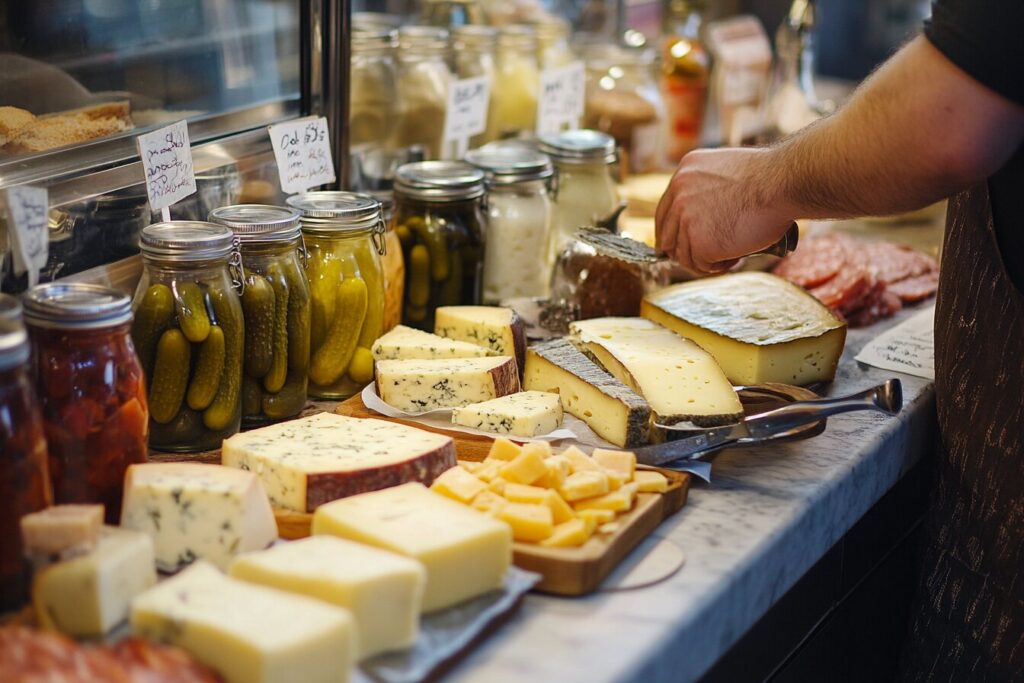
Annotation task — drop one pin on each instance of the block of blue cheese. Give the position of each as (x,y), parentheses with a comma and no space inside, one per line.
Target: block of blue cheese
(526,414)
(497,329)
(416,386)
(406,343)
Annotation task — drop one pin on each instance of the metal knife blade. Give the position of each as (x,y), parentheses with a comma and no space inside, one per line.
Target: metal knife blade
(691,447)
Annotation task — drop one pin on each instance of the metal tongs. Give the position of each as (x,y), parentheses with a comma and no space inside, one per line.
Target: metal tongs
(772,426)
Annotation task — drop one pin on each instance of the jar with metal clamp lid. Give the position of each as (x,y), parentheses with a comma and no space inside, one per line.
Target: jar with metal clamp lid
(392,262)
(441,226)
(473,53)
(423,81)
(344,234)
(276,307)
(190,333)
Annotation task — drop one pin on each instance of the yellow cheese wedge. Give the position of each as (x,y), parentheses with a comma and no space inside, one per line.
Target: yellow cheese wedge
(558,470)
(596,516)
(527,468)
(497,485)
(458,484)
(529,523)
(488,502)
(574,532)
(622,462)
(650,482)
(522,493)
(580,485)
(561,511)
(503,449)
(489,470)
(471,466)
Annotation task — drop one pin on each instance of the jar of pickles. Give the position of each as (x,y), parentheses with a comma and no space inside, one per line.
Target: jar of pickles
(344,235)
(441,226)
(276,307)
(392,262)
(24,477)
(91,390)
(189,333)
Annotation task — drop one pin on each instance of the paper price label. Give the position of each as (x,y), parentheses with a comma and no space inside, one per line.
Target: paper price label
(468,100)
(302,149)
(27,218)
(560,101)
(167,162)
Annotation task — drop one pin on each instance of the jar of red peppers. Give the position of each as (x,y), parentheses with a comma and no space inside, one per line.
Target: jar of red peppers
(24,479)
(91,390)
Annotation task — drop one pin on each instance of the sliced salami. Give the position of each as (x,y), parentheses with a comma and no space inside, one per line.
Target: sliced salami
(916,289)
(815,262)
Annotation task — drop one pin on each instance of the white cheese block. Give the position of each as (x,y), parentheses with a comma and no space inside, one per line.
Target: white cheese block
(89,595)
(194,511)
(759,327)
(248,633)
(417,386)
(406,343)
(613,410)
(680,380)
(466,553)
(499,330)
(313,460)
(382,590)
(528,413)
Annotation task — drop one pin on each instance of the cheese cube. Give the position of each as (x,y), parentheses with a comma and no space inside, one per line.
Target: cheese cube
(596,516)
(528,466)
(580,461)
(528,413)
(62,529)
(618,501)
(489,470)
(543,448)
(382,590)
(650,482)
(417,386)
(465,553)
(574,532)
(488,502)
(247,633)
(561,511)
(194,511)
(503,449)
(521,493)
(497,485)
(458,484)
(471,466)
(558,470)
(609,528)
(406,343)
(87,596)
(623,462)
(615,480)
(499,330)
(529,522)
(587,484)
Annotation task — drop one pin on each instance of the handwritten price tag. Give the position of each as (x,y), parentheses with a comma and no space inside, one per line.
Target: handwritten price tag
(167,162)
(303,152)
(27,212)
(560,101)
(468,100)
(908,348)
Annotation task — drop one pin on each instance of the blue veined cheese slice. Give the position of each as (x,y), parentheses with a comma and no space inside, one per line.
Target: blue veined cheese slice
(528,413)
(499,330)
(416,386)
(406,343)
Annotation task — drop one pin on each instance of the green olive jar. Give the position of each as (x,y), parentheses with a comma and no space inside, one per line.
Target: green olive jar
(276,306)
(189,333)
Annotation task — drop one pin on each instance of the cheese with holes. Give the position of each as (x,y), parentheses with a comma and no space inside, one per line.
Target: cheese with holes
(89,595)
(465,552)
(194,511)
(759,327)
(499,330)
(382,590)
(528,413)
(613,410)
(307,462)
(680,380)
(245,632)
(416,386)
(406,343)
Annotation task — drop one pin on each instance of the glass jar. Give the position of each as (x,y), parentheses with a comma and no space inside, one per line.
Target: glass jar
(344,235)
(189,333)
(91,390)
(392,262)
(586,191)
(553,50)
(473,51)
(24,475)
(275,307)
(10,307)
(423,80)
(517,79)
(441,226)
(445,13)
(519,215)
(373,87)
(685,72)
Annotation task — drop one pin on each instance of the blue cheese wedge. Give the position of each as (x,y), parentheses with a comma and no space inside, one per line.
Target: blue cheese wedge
(194,511)
(499,330)
(528,413)
(406,343)
(416,386)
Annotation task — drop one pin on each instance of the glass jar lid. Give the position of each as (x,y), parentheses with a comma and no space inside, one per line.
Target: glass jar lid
(439,181)
(184,241)
(579,147)
(508,163)
(367,37)
(420,38)
(259,222)
(13,344)
(474,36)
(10,307)
(334,211)
(76,305)
(387,204)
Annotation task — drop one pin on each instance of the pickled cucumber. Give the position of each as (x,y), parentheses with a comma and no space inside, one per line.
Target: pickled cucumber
(258,307)
(450,293)
(298,319)
(323,285)
(360,370)
(418,290)
(225,406)
(331,360)
(251,396)
(434,238)
(186,428)
(404,236)
(369,269)
(192,317)
(153,315)
(209,366)
(170,376)
(275,377)
(289,401)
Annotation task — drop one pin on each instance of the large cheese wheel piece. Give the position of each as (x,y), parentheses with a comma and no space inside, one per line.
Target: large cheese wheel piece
(416,386)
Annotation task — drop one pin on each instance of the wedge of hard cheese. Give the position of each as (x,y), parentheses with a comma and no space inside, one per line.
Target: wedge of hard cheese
(417,386)
(499,330)
(406,343)
(613,410)
(528,413)
(758,327)
(307,462)
(680,381)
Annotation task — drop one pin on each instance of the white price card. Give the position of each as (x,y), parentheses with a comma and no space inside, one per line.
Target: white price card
(908,347)
(302,149)
(468,100)
(167,162)
(27,217)
(560,100)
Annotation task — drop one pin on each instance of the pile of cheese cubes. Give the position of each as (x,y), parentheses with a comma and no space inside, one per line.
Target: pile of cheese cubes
(554,500)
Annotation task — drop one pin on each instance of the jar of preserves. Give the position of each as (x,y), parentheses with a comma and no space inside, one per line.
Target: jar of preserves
(344,234)
(373,87)
(391,262)
(276,308)
(519,215)
(441,226)
(473,50)
(24,475)
(513,107)
(423,80)
(189,333)
(91,390)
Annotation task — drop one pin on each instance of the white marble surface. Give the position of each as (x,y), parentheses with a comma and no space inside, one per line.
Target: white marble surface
(768,516)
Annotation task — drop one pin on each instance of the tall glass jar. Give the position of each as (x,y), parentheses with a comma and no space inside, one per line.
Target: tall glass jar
(445,13)
(516,82)
(519,215)
(473,52)
(190,334)
(344,234)
(392,262)
(553,50)
(585,189)
(276,307)
(91,390)
(441,226)
(373,87)
(24,476)
(423,80)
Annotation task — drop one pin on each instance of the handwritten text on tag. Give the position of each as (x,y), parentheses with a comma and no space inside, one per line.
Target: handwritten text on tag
(27,215)
(302,149)
(167,162)
(560,101)
(468,100)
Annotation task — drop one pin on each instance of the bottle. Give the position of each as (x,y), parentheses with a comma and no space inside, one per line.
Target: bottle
(684,76)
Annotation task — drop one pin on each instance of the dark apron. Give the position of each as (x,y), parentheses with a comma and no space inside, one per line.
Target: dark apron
(969,624)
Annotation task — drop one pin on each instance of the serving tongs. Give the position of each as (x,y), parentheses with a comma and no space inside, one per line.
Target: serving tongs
(769,427)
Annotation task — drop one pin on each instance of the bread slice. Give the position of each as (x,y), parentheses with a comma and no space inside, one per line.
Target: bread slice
(59,131)
(12,122)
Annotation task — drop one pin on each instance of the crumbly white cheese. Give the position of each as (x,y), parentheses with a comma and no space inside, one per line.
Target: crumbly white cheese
(528,413)
(406,343)
(420,385)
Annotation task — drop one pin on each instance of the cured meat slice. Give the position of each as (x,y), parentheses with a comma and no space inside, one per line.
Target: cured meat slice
(848,286)
(815,262)
(886,305)
(915,289)
(895,262)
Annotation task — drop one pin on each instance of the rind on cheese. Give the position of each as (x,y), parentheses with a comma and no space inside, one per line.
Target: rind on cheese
(407,343)
(416,386)
(307,462)
(527,413)
(500,330)
(759,327)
